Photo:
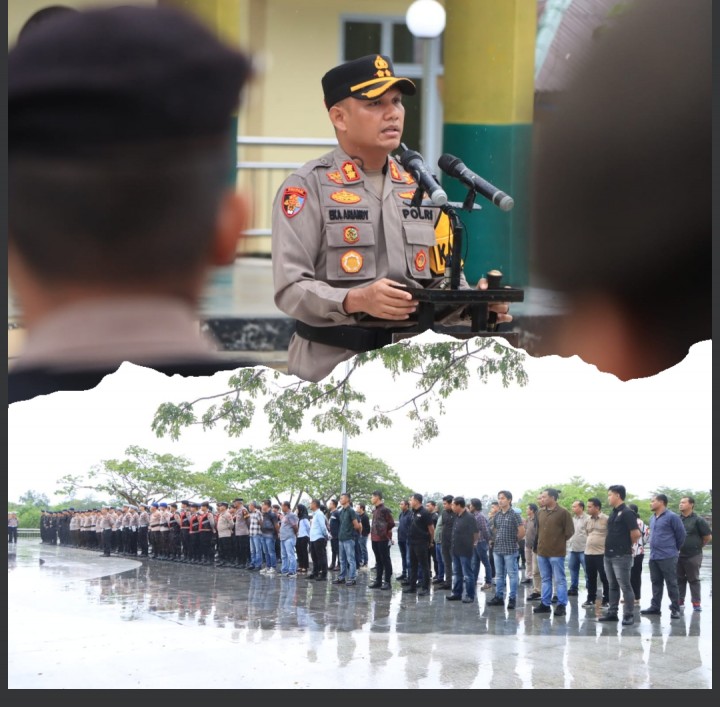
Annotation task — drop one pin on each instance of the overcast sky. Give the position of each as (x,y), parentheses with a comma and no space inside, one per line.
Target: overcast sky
(570,420)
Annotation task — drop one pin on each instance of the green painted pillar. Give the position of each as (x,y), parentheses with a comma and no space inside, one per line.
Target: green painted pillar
(488,94)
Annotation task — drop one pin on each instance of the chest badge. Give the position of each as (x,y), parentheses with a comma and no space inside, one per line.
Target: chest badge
(351,235)
(344,197)
(351,262)
(407,178)
(335,177)
(407,194)
(293,201)
(350,171)
(420,261)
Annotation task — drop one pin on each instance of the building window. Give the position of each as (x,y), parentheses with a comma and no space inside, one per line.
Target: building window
(362,35)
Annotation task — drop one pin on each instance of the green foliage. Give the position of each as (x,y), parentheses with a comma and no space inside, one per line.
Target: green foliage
(336,404)
(143,476)
(297,471)
(34,498)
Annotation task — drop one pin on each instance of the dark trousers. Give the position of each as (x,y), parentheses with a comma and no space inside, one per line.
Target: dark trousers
(302,546)
(195,546)
(318,552)
(143,540)
(636,575)
(383,563)
(335,550)
(127,541)
(432,559)
(107,541)
(242,549)
(185,542)
(594,566)
(12,534)
(206,538)
(403,547)
(174,543)
(688,573)
(419,564)
(447,564)
(664,573)
(225,549)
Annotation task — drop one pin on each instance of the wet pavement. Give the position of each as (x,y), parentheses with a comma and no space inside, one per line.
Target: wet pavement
(78,620)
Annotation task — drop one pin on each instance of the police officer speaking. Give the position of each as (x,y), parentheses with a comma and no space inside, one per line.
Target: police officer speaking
(344,234)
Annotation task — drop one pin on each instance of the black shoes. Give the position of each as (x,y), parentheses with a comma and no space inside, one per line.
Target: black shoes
(409,590)
(467,600)
(453,597)
(542,609)
(628,620)
(321,578)
(446,585)
(572,592)
(495,601)
(375,585)
(554,599)
(385,585)
(675,614)
(650,611)
(511,604)
(534,596)
(423,592)
(350,583)
(560,610)
(608,617)
(338,581)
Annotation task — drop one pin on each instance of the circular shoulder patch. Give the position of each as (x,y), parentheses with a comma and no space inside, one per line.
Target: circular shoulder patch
(350,234)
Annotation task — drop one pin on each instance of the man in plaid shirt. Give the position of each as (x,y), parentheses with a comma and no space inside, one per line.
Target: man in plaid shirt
(509,529)
(255,518)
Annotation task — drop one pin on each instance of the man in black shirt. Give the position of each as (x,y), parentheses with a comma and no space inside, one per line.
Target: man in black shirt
(448,521)
(622,532)
(465,535)
(420,537)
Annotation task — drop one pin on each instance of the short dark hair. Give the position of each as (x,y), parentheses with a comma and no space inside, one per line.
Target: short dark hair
(633,507)
(347,495)
(476,503)
(378,493)
(507,494)
(418,497)
(553,493)
(661,497)
(619,489)
(459,501)
(580,503)
(595,501)
(433,503)
(448,498)
(690,500)
(533,507)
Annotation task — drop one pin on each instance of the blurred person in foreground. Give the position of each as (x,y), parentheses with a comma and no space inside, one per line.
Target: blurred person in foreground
(119,137)
(622,193)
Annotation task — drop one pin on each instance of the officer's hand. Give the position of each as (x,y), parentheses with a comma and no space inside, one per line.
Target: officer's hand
(502,309)
(381,300)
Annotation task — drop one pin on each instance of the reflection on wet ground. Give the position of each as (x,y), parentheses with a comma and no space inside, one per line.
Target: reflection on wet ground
(77,617)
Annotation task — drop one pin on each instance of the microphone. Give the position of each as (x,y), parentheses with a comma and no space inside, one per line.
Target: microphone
(453,167)
(413,162)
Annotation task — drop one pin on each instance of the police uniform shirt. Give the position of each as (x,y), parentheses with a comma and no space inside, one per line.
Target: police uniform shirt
(332,231)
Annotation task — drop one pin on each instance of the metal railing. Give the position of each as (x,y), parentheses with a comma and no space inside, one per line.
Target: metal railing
(28,532)
(260,179)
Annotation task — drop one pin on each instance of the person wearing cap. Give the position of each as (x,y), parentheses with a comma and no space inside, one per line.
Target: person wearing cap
(164,530)
(75,528)
(143,523)
(194,533)
(343,235)
(241,535)
(206,532)
(120,203)
(174,544)
(184,517)
(105,522)
(225,525)
(154,530)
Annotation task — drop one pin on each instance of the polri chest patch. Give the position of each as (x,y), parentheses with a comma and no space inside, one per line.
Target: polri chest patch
(351,261)
(344,197)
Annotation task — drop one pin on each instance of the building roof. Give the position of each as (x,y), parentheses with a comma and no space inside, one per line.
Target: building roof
(573,39)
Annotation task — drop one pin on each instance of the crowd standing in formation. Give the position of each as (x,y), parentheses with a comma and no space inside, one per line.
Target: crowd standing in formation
(445,549)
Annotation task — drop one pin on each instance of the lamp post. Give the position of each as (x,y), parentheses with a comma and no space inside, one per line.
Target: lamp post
(343,470)
(426,21)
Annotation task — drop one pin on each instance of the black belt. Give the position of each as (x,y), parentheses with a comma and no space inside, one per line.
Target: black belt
(355,338)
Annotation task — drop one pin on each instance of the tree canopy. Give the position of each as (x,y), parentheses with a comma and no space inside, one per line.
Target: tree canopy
(337,404)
